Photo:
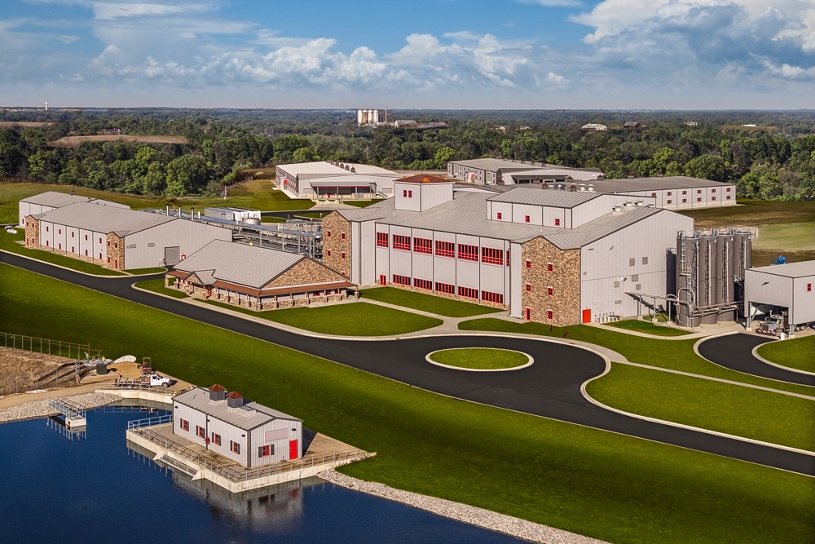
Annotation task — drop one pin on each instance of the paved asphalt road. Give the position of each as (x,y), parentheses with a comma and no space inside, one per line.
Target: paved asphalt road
(549,388)
(735,351)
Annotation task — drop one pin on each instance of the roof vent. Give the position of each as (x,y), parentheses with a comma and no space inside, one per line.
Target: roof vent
(217,392)
(590,187)
(616,209)
(628,204)
(234,400)
(353,169)
(639,203)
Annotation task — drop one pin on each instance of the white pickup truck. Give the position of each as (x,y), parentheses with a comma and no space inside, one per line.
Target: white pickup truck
(156,380)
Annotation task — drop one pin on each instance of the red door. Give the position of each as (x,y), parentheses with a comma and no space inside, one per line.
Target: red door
(587,315)
(383,280)
(528,313)
(292,450)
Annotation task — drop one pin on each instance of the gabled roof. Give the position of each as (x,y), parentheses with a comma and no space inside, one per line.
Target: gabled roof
(247,417)
(424,178)
(653,184)
(555,198)
(788,270)
(106,219)
(55,199)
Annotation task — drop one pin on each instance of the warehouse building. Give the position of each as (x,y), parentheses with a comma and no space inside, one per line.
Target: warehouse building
(508,172)
(671,192)
(784,290)
(332,179)
(257,278)
(118,238)
(51,200)
(246,432)
(557,257)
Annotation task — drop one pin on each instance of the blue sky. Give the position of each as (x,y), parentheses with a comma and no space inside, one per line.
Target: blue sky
(502,54)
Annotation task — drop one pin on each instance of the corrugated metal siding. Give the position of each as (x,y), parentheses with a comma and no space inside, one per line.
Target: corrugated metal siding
(765,288)
(228,434)
(520,211)
(364,257)
(804,309)
(281,434)
(188,235)
(354,264)
(468,274)
(514,292)
(444,270)
(433,194)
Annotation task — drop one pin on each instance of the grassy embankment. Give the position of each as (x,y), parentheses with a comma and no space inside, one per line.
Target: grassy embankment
(797,353)
(353,319)
(257,194)
(145,271)
(788,227)
(480,358)
(648,327)
(10,243)
(601,484)
(157,286)
(426,303)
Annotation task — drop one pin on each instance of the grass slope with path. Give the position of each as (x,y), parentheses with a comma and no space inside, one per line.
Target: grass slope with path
(157,286)
(350,319)
(480,358)
(639,325)
(11,243)
(426,303)
(797,353)
(731,409)
(671,354)
(597,483)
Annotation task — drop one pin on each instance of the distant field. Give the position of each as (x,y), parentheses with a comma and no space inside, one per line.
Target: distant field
(26,124)
(757,128)
(76,141)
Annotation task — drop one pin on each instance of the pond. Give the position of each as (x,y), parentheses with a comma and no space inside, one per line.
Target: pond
(91,487)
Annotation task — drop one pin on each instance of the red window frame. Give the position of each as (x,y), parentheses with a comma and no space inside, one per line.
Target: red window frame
(467,253)
(445,288)
(527,219)
(550,267)
(423,284)
(528,288)
(487,296)
(342,236)
(328,234)
(382,239)
(468,292)
(265,451)
(200,432)
(809,288)
(234,447)
(328,252)
(216,439)
(528,263)
(445,249)
(401,280)
(184,425)
(499,215)
(401,242)
(550,314)
(491,255)
(557,222)
(670,201)
(550,291)
(423,245)
(342,255)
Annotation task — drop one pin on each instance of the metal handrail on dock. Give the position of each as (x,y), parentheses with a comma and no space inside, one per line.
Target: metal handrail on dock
(148,421)
(128,384)
(67,407)
(248,474)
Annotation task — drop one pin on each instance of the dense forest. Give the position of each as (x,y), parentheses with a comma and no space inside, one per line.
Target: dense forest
(770,155)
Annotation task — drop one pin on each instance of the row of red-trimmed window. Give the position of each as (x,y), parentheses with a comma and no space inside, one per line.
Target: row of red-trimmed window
(235,447)
(444,249)
(465,292)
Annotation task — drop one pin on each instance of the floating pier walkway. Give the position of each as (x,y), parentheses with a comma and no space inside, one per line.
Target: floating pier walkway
(74,414)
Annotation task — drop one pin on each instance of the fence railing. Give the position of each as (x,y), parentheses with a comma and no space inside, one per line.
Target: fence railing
(248,474)
(71,350)
(148,421)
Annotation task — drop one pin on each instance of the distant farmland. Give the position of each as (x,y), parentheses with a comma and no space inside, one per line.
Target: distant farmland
(29,124)
(76,141)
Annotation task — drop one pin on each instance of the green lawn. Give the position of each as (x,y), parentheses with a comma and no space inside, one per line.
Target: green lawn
(480,358)
(601,484)
(646,326)
(358,319)
(798,353)
(785,238)
(673,354)
(157,286)
(257,194)
(144,271)
(9,242)
(732,409)
(426,303)
(362,203)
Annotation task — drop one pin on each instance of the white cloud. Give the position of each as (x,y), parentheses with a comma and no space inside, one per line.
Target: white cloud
(106,11)
(553,3)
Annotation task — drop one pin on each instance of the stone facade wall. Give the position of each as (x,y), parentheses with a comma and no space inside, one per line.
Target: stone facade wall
(116,252)
(32,232)
(306,272)
(337,225)
(564,279)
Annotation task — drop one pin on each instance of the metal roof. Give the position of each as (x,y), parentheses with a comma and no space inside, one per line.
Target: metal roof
(653,184)
(788,270)
(55,199)
(467,214)
(90,216)
(493,165)
(239,263)
(249,416)
(325,169)
(537,196)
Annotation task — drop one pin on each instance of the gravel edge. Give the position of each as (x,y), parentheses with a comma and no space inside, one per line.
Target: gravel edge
(39,408)
(486,519)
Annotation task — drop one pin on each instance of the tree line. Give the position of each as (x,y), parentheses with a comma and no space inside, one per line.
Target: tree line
(775,159)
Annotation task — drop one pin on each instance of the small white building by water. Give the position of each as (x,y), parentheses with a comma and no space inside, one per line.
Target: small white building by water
(249,433)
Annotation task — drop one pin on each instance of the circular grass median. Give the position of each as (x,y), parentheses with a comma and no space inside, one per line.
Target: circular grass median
(480,359)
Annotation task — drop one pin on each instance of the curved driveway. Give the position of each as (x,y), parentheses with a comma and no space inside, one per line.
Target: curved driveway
(549,388)
(735,351)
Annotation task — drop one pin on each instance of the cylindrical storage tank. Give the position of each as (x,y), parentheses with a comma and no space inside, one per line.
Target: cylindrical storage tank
(359,117)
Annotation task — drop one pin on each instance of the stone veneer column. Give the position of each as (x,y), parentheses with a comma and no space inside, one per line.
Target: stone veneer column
(336,224)
(564,279)
(116,252)
(32,232)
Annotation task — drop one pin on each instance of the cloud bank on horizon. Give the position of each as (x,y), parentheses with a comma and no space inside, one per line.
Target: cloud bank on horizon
(434,54)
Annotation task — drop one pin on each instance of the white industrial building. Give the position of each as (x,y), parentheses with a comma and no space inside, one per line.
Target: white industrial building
(553,256)
(332,180)
(248,433)
(779,289)
(509,172)
(118,238)
(232,214)
(672,192)
(51,200)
